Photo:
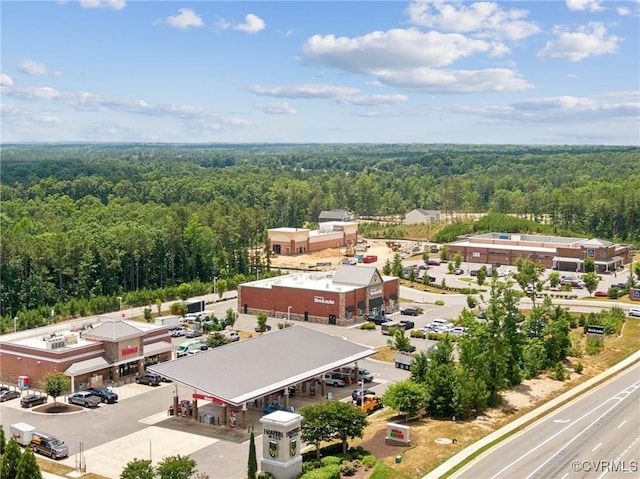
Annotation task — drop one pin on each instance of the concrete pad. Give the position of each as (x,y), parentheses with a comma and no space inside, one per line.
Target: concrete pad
(110,458)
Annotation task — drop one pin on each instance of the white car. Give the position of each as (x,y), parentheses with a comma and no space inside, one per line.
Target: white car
(634,312)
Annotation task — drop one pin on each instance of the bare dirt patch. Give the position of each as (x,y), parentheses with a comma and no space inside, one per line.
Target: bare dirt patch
(57,408)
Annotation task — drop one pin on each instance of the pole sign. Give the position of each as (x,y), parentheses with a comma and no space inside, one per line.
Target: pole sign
(598,330)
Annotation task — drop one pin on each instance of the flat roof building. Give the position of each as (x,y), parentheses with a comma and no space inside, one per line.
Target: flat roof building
(556,252)
(340,297)
(293,241)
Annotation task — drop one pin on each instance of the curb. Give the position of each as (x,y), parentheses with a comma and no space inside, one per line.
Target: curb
(532,416)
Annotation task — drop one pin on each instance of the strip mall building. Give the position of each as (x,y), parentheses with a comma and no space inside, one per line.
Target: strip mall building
(293,241)
(341,297)
(91,351)
(561,253)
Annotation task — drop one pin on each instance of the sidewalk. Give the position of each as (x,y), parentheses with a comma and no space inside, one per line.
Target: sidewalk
(533,415)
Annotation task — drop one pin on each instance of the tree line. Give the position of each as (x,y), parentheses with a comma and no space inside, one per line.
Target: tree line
(100,221)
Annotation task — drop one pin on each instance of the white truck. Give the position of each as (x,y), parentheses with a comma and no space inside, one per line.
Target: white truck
(171,322)
(22,433)
(403,360)
(190,347)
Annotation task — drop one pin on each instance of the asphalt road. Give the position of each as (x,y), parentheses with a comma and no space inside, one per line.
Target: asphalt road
(595,436)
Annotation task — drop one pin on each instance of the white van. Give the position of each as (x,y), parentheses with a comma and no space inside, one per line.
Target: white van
(363,374)
(188,347)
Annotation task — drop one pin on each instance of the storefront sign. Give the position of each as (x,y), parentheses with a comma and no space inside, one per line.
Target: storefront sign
(375,292)
(129,350)
(273,434)
(323,300)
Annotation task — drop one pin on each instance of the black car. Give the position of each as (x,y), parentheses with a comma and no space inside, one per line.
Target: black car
(406,324)
(258,330)
(409,311)
(105,394)
(360,392)
(32,400)
(378,319)
(149,379)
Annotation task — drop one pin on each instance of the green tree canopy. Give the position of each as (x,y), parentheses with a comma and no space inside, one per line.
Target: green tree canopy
(408,397)
(55,384)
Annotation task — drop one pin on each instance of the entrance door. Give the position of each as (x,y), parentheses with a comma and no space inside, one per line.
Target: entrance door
(332,319)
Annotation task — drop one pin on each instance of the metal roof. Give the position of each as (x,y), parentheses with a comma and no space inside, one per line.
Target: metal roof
(356,275)
(113,330)
(88,366)
(240,372)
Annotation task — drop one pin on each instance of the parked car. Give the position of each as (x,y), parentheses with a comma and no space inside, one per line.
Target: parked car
(459,271)
(459,331)
(269,408)
(48,445)
(360,392)
(105,394)
(378,319)
(601,294)
(409,311)
(179,331)
(193,333)
(634,312)
(33,400)
(333,379)
(149,379)
(84,398)
(7,395)
(258,330)
(406,324)
(433,262)
(474,272)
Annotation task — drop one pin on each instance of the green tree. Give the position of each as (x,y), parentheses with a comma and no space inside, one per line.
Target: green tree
(10,460)
(347,421)
(419,367)
(386,268)
(396,266)
(217,339)
(457,260)
(451,267)
(138,469)
(176,467)
(408,397)
(401,340)
(470,396)
(252,463)
(3,440)
(315,429)
(529,276)
(412,275)
(534,357)
(591,281)
(230,317)
(221,287)
(55,384)
(444,252)
(27,466)
(554,279)
(481,275)
(262,321)
(589,265)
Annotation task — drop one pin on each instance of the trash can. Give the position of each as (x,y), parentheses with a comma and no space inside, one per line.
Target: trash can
(398,459)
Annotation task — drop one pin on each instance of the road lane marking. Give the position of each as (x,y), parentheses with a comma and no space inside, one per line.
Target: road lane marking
(562,421)
(622,424)
(599,444)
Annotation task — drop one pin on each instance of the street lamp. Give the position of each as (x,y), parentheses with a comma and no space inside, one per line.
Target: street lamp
(119,298)
(361,394)
(288,313)
(15,323)
(215,278)
(257,274)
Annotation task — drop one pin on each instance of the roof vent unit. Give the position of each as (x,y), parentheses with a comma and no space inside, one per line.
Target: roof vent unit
(56,342)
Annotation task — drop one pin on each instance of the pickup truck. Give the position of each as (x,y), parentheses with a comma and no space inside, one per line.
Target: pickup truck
(84,398)
(232,336)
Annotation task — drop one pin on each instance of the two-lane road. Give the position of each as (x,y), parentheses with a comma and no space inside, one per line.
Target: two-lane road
(595,436)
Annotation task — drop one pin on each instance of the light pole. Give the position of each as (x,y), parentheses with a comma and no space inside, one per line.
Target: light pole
(361,394)
(257,274)
(288,314)
(15,323)
(215,278)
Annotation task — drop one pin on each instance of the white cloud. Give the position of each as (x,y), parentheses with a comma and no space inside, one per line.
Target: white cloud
(282,108)
(308,91)
(430,80)
(482,18)
(253,24)
(396,49)
(186,18)
(374,100)
(35,93)
(5,80)
(559,110)
(588,40)
(110,4)
(33,68)
(590,5)
(623,11)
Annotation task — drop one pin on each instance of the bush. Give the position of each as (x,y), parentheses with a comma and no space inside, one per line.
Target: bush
(439,303)
(594,346)
(417,333)
(369,461)
(327,461)
(349,468)
(559,373)
(578,368)
(369,325)
(265,475)
(331,471)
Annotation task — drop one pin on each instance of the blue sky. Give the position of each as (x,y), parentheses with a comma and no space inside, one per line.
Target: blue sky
(426,71)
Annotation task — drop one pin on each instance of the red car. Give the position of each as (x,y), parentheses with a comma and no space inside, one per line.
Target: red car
(601,294)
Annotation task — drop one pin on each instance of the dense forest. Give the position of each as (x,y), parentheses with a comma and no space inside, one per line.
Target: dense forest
(81,221)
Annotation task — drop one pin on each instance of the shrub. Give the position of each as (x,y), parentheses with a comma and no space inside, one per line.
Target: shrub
(594,346)
(559,373)
(265,475)
(417,333)
(439,303)
(349,468)
(578,368)
(369,325)
(369,461)
(327,461)
(331,471)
